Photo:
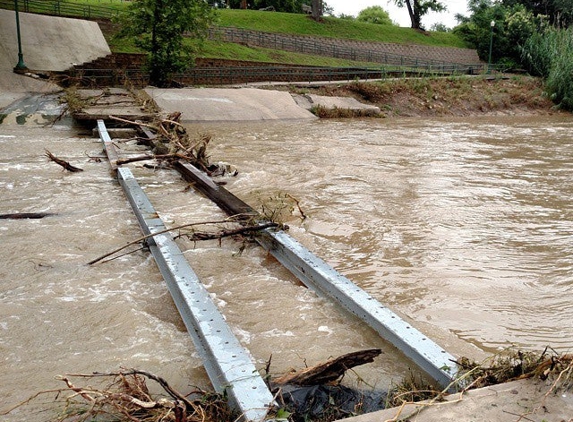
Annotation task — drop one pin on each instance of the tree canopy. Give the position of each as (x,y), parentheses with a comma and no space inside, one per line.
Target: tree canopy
(513,25)
(158,27)
(374,14)
(558,12)
(288,6)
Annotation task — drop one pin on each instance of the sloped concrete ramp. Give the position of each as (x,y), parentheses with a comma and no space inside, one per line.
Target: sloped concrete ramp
(218,105)
(49,43)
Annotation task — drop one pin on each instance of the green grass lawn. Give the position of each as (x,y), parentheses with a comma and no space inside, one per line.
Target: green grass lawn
(332,27)
(231,51)
(263,21)
(290,23)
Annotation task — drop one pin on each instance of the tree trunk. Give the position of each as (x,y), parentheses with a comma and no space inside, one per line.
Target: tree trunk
(316,9)
(156,75)
(414,12)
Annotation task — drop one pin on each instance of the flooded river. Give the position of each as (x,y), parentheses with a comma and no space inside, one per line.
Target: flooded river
(463,227)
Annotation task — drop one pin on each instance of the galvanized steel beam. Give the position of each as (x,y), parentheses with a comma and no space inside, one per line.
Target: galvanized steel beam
(109,147)
(228,364)
(325,280)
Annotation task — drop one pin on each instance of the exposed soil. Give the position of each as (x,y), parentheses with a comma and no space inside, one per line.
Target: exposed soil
(461,96)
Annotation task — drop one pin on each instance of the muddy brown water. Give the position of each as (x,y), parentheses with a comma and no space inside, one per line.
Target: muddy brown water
(463,227)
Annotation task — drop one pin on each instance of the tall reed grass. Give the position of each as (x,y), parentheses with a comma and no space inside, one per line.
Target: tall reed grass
(549,54)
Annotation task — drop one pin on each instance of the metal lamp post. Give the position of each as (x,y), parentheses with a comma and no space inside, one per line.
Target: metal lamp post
(492,24)
(20,66)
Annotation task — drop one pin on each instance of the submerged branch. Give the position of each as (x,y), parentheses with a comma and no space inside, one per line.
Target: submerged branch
(67,166)
(200,236)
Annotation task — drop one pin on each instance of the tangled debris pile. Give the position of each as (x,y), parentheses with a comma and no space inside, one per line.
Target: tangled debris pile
(125,396)
(169,141)
(514,365)
(508,365)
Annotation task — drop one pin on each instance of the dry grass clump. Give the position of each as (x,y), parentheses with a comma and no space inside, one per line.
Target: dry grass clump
(412,389)
(515,365)
(509,365)
(336,112)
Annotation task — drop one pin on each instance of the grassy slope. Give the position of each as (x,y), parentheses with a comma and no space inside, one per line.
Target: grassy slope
(294,24)
(333,28)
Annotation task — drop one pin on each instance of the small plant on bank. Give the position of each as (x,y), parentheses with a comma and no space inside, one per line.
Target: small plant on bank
(339,113)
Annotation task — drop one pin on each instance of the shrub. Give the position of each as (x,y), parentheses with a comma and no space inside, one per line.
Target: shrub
(550,55)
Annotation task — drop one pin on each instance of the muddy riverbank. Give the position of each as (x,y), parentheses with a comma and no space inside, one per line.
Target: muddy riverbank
(443,97)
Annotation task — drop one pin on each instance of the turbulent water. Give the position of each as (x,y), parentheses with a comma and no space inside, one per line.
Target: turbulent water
(462,227)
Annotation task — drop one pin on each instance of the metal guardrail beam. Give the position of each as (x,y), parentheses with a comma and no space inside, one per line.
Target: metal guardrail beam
(109,147)
(228,364)
(321,277)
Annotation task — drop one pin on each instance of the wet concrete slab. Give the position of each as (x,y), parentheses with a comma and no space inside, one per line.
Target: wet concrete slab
(523,400)
(224,104)
(117,102)
(39,109)
(309,101)
(49,43)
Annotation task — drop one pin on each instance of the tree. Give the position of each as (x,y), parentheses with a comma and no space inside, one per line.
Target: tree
(419,8)
(374,14)
(158,27)
(439,27)
(559,12)
(513,26)
(316,6)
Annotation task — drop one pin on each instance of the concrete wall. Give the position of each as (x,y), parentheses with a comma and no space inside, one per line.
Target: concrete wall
(49,42)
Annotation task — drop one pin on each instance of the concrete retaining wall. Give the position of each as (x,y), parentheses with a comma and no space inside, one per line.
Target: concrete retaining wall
(49,43)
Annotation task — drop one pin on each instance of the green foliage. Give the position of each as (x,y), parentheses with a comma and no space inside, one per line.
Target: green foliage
(558,12)
(439,27)
(288,6)
(158,27)
(550,54)
(374,14)
(513,26)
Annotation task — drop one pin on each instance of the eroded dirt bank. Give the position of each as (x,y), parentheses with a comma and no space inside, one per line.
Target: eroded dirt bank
(460,96)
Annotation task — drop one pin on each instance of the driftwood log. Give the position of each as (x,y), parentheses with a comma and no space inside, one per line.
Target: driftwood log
(25,215)
(67,166)
(329,371)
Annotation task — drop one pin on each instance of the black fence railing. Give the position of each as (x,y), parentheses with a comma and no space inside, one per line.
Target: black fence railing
(62,8)
(245,75)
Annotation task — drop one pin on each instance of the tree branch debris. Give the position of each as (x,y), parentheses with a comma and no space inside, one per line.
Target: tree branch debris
(195,235)
(169,141)
(67,166)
